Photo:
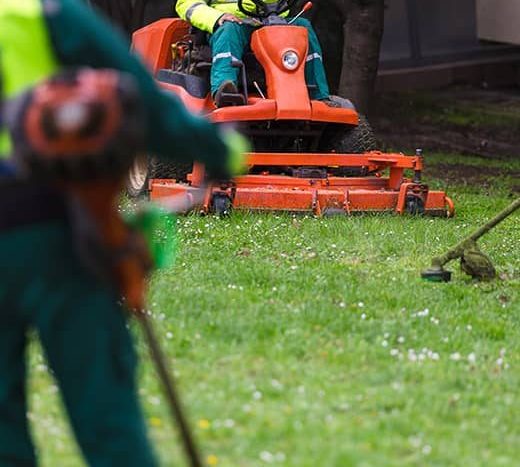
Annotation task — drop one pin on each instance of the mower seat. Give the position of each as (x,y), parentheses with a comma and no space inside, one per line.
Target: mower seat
(194,85)
(203,59)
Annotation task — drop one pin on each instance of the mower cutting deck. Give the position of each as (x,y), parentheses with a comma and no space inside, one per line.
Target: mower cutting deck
(309,156)
(316,191)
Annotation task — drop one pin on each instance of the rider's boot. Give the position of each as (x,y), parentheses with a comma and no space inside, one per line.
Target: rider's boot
(227,95)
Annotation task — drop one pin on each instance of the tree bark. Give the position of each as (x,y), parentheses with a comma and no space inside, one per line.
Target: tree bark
(130,15)
(363,31)
(118,11)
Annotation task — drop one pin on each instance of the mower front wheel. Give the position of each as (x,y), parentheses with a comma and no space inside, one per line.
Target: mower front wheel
(414,205)
(146,168)
(221,204)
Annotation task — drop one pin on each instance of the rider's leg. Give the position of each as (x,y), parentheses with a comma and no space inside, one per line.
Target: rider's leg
(229,41)
(314,69)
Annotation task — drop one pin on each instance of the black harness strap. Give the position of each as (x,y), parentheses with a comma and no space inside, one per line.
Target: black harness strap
(24,203)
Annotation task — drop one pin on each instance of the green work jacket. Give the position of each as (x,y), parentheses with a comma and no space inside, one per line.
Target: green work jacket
(204,14)
(39,36)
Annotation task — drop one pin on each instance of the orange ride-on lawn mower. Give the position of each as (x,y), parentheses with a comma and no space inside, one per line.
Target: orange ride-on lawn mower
(308,156)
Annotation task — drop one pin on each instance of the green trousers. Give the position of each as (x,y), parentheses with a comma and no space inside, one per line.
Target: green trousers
(87,345)
(232,39)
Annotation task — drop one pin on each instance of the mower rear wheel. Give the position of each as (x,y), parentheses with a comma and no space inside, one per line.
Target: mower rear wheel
(221,204)
(146,168)
(357,139)
(354,140)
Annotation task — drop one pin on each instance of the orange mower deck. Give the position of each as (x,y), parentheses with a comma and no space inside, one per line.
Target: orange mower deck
(319,196)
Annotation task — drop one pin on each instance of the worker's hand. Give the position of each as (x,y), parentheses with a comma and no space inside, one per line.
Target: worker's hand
(238,147)
(236,161)
(228,17)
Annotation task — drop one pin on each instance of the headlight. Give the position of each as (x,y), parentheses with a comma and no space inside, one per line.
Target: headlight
(290,60)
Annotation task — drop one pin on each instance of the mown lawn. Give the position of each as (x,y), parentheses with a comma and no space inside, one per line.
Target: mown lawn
(314,342)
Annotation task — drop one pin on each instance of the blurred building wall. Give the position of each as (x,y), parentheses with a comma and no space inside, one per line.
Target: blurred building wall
(422,32)
(499,20)
(433,43)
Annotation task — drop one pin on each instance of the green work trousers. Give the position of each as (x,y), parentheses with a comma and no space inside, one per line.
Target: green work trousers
(85,338)
(232,39)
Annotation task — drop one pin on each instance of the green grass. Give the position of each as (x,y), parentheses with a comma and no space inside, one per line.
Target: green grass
(314,342)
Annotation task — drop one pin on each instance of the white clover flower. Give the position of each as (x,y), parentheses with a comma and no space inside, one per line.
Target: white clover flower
(266,456)
(427,449)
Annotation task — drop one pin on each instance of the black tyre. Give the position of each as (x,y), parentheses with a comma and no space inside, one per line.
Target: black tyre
(414,205)
(146,168)
(221,204)
(354,140)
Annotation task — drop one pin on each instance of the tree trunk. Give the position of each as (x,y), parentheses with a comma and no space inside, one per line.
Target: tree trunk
(130,15)
(118,11)
(363,31)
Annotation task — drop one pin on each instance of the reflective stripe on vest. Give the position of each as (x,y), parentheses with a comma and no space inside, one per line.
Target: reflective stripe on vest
(26,55)
(231,6)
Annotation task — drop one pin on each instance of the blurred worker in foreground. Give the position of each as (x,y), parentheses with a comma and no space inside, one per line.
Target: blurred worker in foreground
(43,284)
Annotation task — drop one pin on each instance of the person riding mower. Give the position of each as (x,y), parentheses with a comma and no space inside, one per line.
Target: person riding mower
(44,285)
(230,30)
(306,156)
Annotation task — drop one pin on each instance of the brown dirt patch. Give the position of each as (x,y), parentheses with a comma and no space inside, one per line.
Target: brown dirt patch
(471,175)
(470,121)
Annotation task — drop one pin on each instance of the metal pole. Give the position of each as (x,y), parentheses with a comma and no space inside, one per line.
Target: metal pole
(170,392)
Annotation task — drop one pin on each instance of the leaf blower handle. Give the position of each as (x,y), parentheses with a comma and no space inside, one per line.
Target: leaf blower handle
(305,9)
(191,450)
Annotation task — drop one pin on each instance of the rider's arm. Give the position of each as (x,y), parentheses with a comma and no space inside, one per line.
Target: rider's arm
(199,14)
(81,38)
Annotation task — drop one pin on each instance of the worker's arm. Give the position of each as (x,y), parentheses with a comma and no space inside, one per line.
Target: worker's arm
(199,13)
(81,38)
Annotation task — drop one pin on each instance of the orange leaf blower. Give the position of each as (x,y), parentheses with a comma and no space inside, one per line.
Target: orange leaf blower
(80,131)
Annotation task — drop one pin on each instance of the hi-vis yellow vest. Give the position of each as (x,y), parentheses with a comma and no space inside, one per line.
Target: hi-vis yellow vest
(203,14)
(26,54)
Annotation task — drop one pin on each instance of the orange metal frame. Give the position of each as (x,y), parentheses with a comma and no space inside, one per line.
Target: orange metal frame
(348,195)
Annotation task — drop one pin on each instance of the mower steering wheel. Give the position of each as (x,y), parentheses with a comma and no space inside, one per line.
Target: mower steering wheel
(264,10)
